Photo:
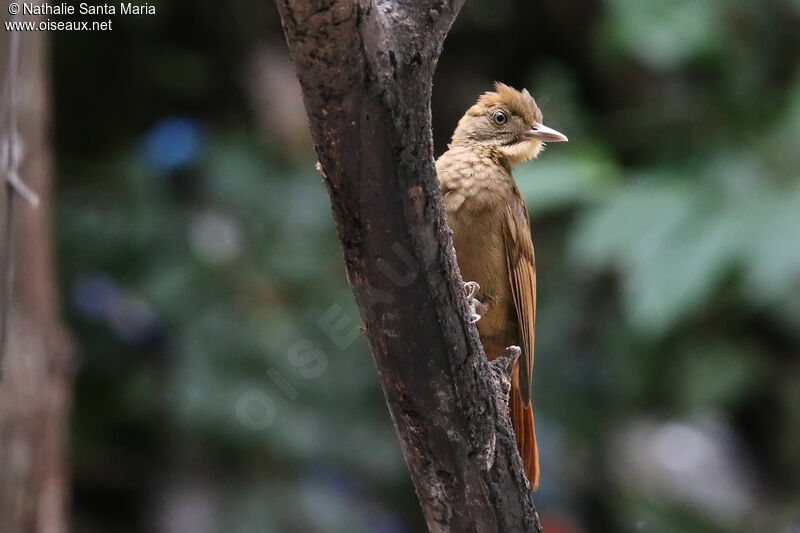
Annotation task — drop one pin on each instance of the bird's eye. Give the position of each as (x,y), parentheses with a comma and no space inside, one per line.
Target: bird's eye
(499,118)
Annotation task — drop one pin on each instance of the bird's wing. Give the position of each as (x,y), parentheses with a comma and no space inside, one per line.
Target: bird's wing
(522,273)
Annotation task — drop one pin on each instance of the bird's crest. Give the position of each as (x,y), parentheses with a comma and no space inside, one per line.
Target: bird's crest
(520,103)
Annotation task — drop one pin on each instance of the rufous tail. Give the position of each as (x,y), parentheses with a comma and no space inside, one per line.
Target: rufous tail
(522,421)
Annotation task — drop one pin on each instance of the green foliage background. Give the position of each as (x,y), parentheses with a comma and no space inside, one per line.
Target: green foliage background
(222,384)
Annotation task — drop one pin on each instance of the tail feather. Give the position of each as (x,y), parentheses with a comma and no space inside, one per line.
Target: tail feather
(522,421)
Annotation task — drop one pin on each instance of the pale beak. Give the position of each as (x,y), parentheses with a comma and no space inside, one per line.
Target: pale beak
(543,133)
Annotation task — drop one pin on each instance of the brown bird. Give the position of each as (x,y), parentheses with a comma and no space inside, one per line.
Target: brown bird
(492,235)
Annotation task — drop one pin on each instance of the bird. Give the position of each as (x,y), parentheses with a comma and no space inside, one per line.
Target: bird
(492,236)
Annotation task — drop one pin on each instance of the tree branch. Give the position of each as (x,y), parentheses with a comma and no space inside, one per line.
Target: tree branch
(14,186)
(35,393)
(366,69)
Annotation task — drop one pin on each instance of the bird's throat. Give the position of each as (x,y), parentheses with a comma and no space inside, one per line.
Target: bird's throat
(515,153)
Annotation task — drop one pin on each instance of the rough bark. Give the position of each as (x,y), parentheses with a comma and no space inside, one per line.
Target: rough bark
(366,70)
(34,389)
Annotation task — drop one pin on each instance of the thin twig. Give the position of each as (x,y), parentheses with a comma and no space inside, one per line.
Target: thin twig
(21,188)
(14,186)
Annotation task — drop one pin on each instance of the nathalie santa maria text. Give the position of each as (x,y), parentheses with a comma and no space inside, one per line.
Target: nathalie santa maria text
(85,8)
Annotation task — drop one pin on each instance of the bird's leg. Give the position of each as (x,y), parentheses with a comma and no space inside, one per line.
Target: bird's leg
(471,288)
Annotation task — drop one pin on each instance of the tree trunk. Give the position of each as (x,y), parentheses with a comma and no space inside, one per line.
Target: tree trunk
(34,391)
(366,70)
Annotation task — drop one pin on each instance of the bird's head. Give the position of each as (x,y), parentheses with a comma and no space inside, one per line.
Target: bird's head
(507,122)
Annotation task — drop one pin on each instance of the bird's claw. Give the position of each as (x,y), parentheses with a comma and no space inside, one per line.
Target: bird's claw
(471,288)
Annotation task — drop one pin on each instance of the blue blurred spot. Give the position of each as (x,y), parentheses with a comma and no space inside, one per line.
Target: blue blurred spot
(334,479)
(383,521)
(95,295)
(173,142)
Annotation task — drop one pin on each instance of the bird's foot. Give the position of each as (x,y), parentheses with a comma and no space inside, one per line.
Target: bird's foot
(471,288)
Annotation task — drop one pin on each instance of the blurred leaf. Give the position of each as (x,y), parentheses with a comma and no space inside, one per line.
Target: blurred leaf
(715,374)
(562,179)
(673,243)
(630,221)
(664,33)
(773,258)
